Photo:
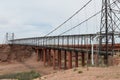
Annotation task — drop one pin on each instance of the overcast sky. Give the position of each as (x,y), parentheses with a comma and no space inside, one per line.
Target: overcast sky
(28,18)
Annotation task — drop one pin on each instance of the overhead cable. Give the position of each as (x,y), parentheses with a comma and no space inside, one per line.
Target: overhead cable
(68,18)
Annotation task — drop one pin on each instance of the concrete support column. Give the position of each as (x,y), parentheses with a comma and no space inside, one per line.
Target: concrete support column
(37,52)
(54,59)
(59,59)
(44,56)
(96,59)
(69,59)
(89,58)
(76,59)
(40,52)
(49,57)
(65,60)
(83,59)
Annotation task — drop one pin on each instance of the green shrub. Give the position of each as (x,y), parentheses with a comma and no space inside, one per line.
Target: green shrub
(74,69)
(80,72)
(21,76)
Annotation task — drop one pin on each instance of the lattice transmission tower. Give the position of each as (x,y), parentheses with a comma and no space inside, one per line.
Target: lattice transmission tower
(109,26)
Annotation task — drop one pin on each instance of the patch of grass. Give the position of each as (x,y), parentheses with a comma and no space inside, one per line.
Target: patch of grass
(21,76)
(80,72)
(99,76)
(74,69)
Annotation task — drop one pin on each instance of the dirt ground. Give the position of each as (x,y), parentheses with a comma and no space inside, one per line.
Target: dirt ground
(14,59)
(28,65)
(17,64)
(92,73)
(80,73)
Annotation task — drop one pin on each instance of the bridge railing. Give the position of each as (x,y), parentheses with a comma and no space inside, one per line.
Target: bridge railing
(58,41)
(68,41)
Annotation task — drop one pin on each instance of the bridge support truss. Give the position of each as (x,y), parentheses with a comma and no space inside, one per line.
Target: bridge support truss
(60,59)
(108,28)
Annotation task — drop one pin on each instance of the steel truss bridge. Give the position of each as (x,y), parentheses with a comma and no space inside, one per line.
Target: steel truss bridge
(66,47)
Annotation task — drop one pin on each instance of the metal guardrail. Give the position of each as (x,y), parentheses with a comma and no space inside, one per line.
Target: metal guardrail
(55,40)
(73,40)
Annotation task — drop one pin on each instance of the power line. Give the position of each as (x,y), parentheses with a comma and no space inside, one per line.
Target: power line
(68,18)
(77,25)
(81,23)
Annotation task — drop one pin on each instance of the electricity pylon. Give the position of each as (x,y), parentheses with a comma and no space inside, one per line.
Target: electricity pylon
(109,26)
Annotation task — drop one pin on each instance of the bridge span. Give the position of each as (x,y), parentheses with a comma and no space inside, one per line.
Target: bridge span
(66,51)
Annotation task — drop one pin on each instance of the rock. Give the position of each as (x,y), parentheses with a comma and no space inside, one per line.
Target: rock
(3,57)
(16,52)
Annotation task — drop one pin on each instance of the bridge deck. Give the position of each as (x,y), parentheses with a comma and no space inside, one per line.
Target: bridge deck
(74,49)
